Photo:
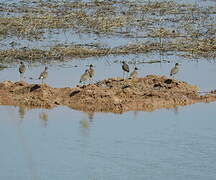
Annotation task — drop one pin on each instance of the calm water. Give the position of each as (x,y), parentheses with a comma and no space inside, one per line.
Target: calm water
(62,143)
(66,144)
(200,72)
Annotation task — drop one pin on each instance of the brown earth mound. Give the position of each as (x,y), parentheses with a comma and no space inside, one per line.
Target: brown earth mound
(111,95)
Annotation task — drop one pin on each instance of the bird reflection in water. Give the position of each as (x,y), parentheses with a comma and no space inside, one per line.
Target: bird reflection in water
(44,118)
(135,114)
(90,116)
(84,127)
(176,110)
(22,113)
(86,122)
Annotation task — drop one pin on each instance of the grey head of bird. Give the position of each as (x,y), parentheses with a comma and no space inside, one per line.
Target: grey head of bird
(91,65)
(91,71)
(136,68)
(176,64)
(22,67)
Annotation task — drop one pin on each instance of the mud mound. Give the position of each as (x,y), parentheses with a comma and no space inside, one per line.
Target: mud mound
(111,95)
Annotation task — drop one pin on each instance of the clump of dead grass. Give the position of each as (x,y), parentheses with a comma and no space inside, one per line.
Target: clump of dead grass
(205,47)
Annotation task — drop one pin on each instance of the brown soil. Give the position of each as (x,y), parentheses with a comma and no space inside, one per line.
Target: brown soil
(111,95)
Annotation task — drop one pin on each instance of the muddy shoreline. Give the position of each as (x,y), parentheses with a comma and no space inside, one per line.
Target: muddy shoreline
(115,95)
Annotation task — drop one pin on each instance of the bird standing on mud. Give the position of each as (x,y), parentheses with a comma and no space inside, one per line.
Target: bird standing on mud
(125,67)
(44,74)
(174,70)
(91,71)
(134,74)
(85,76)
(22,69)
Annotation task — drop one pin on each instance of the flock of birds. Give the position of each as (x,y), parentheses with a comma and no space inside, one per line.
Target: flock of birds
(90,72)
(134,73)
(42,76)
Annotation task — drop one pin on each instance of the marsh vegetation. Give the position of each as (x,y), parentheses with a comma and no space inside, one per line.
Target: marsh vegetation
(146,27)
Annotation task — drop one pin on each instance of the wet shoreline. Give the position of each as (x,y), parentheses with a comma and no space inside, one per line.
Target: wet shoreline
(115,95)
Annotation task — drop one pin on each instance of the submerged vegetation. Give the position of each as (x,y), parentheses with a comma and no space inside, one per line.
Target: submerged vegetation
(204,48)
(157,26)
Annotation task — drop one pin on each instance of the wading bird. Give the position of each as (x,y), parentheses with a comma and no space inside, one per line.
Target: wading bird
(174,70)
(44,74)
(22,69)
(91,71)
(134,74)
(125,68)
(85,77)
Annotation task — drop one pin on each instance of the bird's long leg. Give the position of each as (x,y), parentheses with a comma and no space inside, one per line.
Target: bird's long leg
(123,74)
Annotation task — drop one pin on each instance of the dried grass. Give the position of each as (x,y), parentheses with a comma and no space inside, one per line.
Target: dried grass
(194,32)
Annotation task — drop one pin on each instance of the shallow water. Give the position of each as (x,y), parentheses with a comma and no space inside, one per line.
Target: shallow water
(199,72)
(65,144)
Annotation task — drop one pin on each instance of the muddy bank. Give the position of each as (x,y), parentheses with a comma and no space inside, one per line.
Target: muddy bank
(111,95)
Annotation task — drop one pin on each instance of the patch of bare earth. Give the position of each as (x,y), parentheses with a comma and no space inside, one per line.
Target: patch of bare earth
(112,95)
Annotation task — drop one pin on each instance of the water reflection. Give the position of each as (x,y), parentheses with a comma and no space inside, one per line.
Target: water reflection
(90,116)
(85,123)
(22,112)
(135,114)
(176,110)
(104,141)
(84,127)
(43,116)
